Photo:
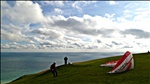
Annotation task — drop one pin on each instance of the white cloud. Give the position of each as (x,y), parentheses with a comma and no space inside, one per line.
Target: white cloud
(11,34)
(112,2)
(23,12)
(131,5)
(79,4)
(5,46)
(137,13)
(127,13)
(52,34)
(73,32)
(141,15)
(138,18)
(111,17)
(54,3)
(4,5)
(76,5)
(57,10)
(37,39)
(137,32)
(78,33)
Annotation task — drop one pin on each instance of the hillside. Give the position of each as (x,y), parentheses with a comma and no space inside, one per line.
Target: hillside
(91,72)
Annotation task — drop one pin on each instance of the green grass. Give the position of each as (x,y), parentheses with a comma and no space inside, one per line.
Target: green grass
(90,72)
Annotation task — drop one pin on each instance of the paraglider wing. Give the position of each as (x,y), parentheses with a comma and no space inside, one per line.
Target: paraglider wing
(125,63)
(110,64)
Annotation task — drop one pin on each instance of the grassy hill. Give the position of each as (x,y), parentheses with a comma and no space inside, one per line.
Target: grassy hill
(90,72)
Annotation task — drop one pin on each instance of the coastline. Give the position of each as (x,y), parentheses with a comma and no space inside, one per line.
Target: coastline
(84,64)
(72,62)
(47,70)
(28,63)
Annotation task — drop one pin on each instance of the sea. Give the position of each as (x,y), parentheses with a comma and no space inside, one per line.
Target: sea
(17,64)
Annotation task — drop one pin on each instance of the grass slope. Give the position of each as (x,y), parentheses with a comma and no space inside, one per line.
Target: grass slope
(90,72)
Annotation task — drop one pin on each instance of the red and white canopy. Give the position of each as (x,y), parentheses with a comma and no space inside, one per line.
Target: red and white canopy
(126,62)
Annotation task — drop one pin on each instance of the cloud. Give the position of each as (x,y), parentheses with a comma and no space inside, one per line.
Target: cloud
(137,32)
(19,46)
(57,10)
(131,5)
(116,43)
(109,16)
(124,23)
(52,34)
(33,12)
(53,3)
(12,33)
(99,41)
(141,14)
(76,5)
(127,13)
(128,47)
(112,2)
(139,11)
(57,31)
(5,46)
(36,39)
(84,25)
(80,4)
(75,32)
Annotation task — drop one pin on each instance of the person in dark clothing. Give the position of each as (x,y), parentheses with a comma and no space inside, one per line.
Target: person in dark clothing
(53,69)
(65,59)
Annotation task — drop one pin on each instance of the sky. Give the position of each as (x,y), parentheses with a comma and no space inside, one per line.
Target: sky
(75,26)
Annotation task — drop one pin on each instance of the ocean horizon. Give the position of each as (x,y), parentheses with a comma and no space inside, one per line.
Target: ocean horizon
(17,64)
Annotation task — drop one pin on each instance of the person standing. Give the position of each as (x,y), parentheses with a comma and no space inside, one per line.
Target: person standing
(65,59)
(53,69)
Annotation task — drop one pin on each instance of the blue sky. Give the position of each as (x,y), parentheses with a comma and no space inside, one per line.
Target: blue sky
(75,26)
